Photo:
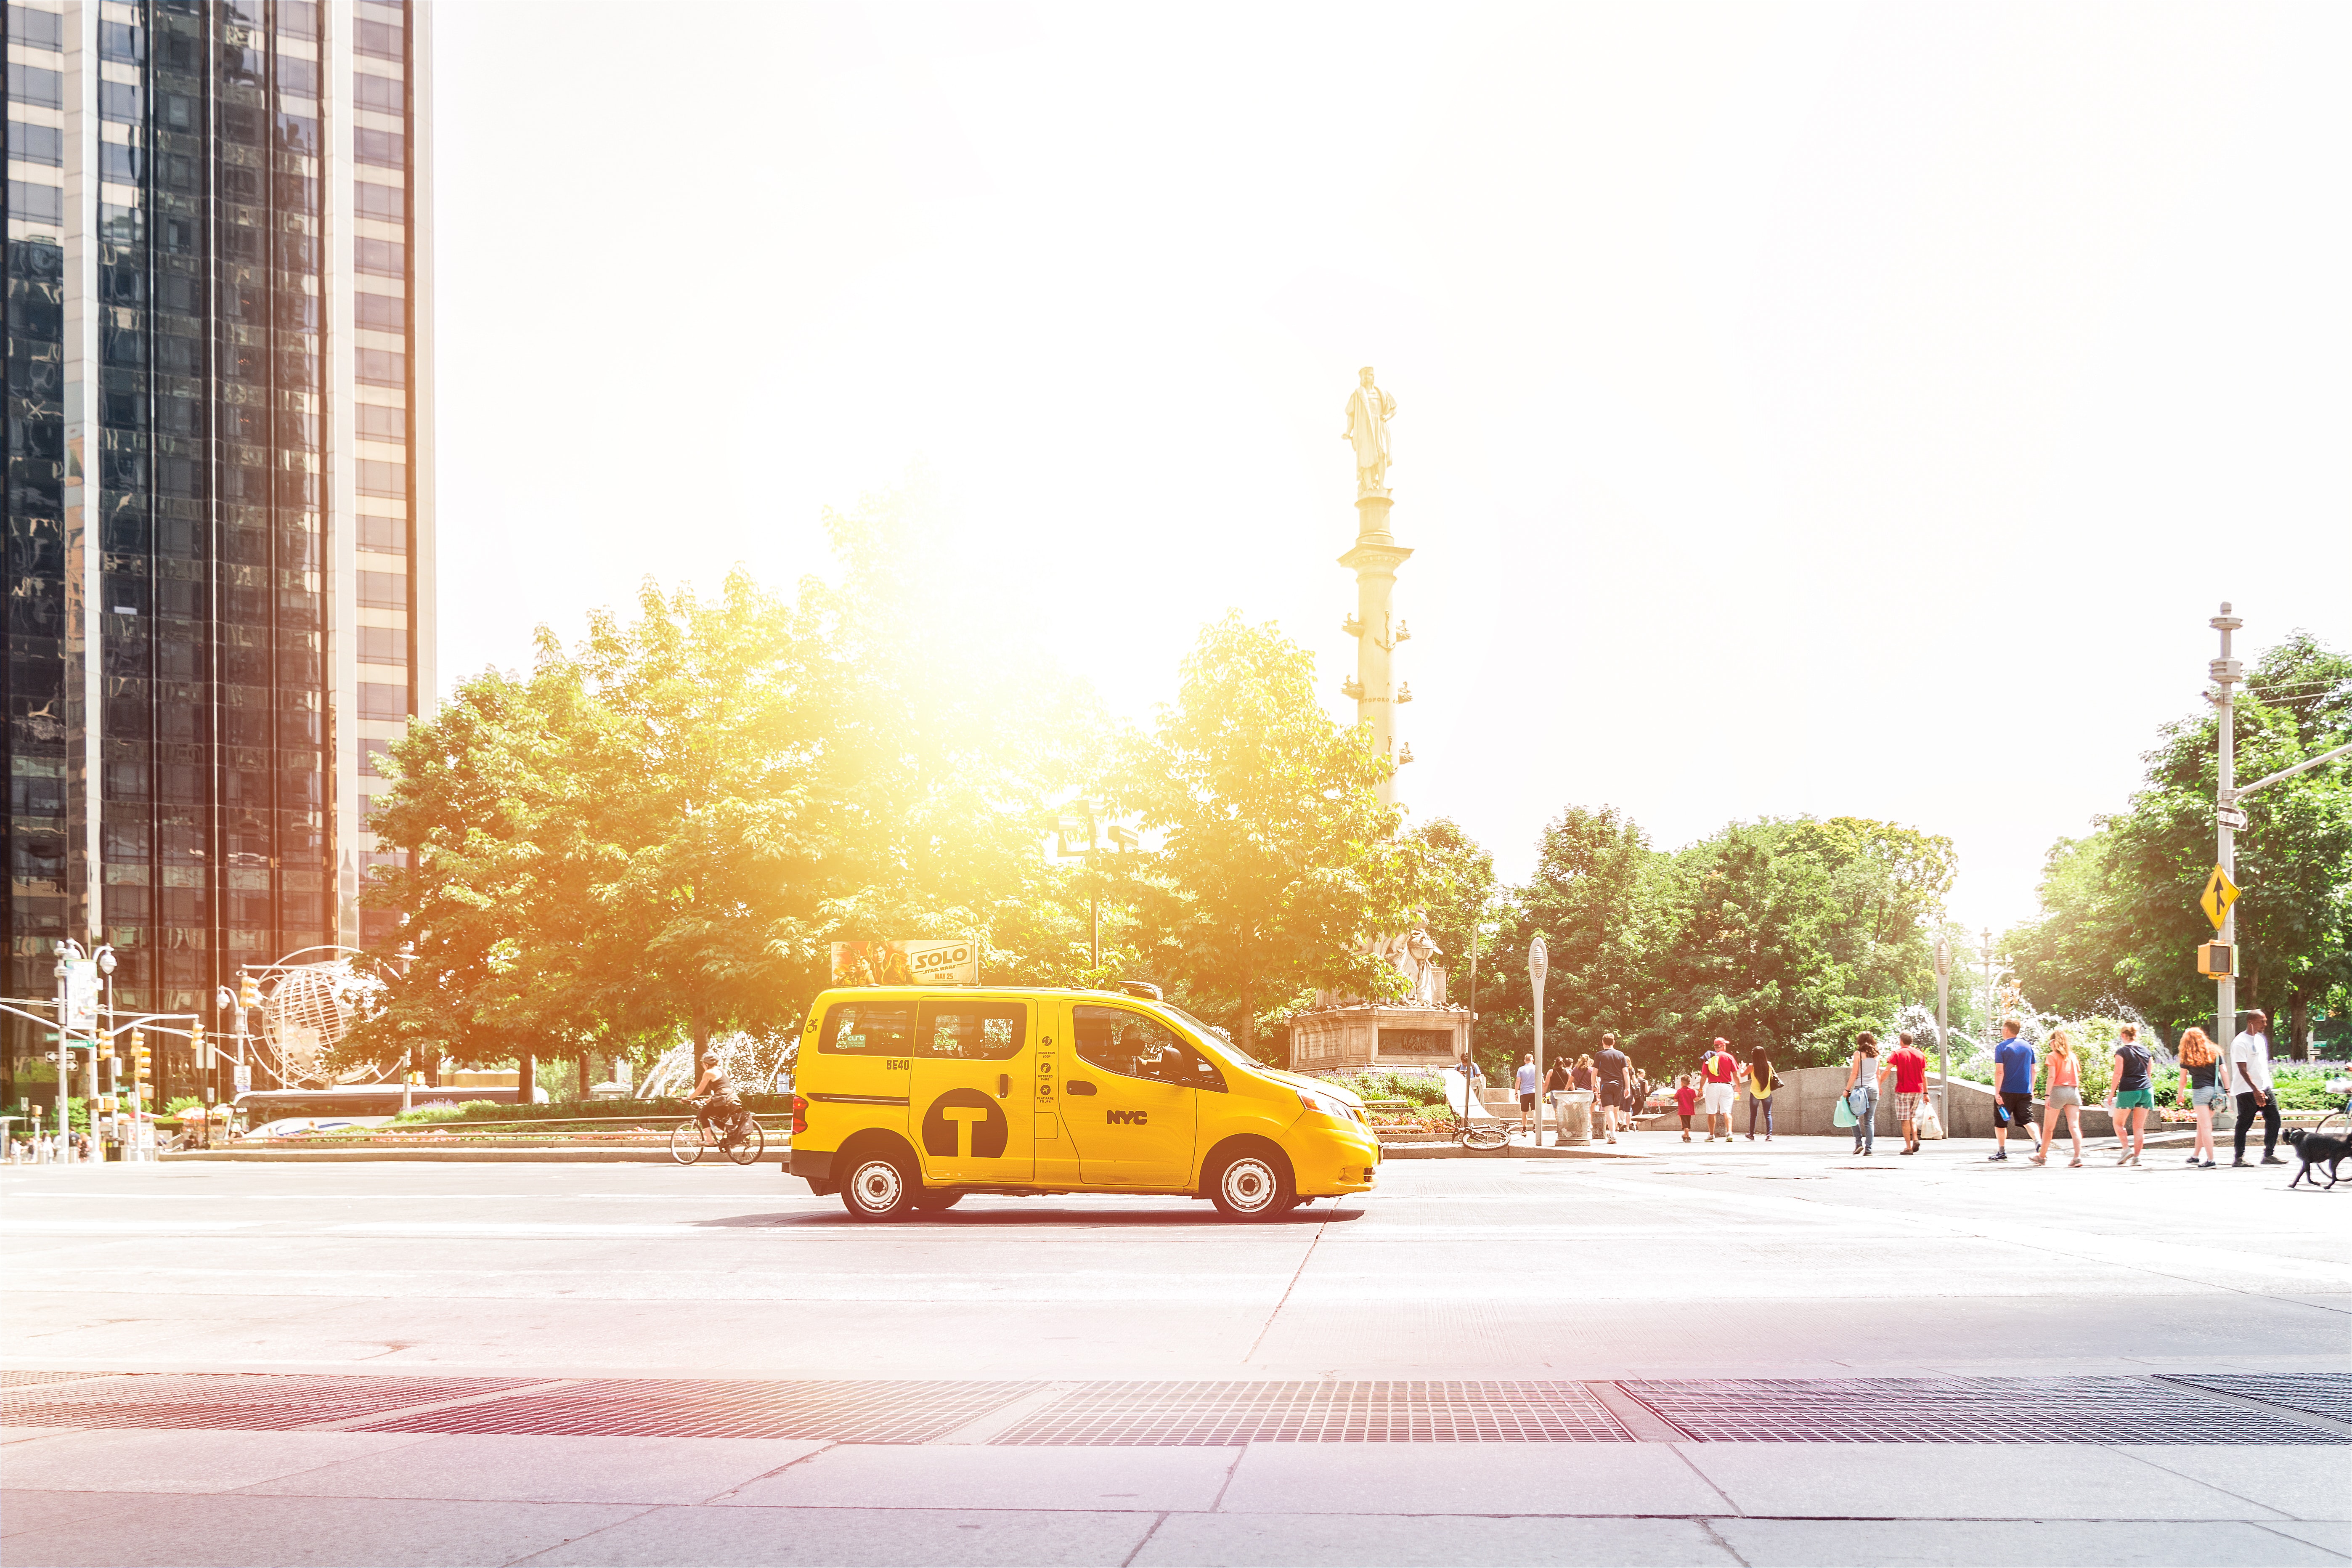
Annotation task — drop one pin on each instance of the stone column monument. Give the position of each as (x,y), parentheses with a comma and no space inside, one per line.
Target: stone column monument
(1423,1029)
(1374,561)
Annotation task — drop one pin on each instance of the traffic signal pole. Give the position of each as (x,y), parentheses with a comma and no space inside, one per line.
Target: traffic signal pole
(2224,671)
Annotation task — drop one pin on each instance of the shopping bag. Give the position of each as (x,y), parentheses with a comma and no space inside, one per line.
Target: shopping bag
(1927,1124)
(1843,1115)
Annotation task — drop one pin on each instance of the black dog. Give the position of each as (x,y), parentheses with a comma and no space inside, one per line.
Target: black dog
(2317,1151)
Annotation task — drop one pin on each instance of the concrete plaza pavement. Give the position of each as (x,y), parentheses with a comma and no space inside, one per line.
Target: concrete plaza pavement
(1789,1261)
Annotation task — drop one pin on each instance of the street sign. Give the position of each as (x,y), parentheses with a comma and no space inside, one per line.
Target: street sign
(1943,958)
(2233,817)
(1538,961)
(2218,895)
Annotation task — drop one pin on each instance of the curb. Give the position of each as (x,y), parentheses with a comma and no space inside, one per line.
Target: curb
(1508,1151)
(486,1156)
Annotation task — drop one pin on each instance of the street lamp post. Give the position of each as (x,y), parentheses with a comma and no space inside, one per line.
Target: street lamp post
(2224,671)
(1539,961)
(1944,1033)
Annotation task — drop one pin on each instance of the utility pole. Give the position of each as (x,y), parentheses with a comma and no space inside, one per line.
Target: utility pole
(1944,1033)
(1539,961)
(2225,671)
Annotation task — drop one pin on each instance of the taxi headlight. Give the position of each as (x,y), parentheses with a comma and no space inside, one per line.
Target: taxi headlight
(1330,1105)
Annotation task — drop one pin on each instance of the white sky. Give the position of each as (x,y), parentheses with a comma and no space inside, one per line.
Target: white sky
(1819,408)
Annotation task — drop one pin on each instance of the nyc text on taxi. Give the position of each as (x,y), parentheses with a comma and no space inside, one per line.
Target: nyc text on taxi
(910,1097)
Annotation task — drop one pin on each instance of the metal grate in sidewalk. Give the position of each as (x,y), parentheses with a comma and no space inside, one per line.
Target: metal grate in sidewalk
(1971,1410)
(1217,1415)
(843,1411)
(246,1402)
(2325,1393)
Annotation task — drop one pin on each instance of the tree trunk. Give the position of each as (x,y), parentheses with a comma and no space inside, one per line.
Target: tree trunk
(525,1079)
(2298,1004)
(587,1076)
(1248,1041)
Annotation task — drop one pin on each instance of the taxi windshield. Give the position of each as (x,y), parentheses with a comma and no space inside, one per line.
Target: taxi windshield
(1207,1035)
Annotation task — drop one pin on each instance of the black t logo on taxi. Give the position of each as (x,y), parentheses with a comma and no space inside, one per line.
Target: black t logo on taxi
(964,1124)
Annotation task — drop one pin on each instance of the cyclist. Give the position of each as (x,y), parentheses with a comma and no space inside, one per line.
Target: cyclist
(715,1103)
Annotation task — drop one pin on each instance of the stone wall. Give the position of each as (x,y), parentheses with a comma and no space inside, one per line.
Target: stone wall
(1807,1102)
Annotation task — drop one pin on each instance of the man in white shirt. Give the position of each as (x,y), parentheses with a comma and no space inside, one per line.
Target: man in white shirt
(2249,1077)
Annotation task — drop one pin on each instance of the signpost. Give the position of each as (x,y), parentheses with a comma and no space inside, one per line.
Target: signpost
(1538,960)
(1944,1033)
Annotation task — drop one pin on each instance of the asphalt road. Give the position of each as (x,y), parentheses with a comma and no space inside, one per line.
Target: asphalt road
(1754,1259)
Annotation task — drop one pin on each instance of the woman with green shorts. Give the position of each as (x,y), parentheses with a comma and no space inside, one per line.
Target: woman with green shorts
(2135,1093)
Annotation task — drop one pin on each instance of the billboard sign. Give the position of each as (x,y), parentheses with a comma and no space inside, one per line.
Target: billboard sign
(924,960)
(81,995)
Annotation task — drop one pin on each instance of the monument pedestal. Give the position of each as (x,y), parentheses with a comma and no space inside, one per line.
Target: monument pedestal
(1371,1036)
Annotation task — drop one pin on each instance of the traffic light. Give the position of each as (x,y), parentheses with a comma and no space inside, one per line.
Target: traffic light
(141,1064)
(249,991)
(196,1051)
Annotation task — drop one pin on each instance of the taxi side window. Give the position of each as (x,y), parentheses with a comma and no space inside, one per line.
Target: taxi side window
(1136,1046)
(869,1029)
(971,1031)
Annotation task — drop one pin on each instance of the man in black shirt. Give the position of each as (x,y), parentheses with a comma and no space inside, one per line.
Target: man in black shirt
(1613,1067)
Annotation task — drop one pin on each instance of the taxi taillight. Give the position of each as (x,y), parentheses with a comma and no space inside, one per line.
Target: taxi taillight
(800,1114)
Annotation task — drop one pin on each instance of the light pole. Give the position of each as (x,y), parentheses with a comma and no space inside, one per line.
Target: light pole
(1944,1033)
(1539,961)
(2225,671)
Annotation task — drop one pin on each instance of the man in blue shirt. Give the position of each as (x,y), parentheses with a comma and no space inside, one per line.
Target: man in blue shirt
(2013,1073)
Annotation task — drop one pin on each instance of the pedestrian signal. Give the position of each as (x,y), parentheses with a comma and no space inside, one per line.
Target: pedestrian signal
(2217,959)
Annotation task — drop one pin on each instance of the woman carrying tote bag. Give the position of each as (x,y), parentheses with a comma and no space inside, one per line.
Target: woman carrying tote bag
(1862,1076)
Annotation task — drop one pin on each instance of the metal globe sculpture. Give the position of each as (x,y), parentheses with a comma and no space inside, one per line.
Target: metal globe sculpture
(308,1008)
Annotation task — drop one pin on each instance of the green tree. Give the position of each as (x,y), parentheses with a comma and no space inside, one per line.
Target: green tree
(1275,859)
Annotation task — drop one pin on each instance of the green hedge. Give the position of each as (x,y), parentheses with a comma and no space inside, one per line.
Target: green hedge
(571,1111)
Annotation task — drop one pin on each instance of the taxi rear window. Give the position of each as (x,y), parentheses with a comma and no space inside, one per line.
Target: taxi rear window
(869,1029)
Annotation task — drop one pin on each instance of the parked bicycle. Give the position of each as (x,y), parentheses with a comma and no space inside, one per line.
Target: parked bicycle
(1460,1098)
(740,1139)
(2338,1123)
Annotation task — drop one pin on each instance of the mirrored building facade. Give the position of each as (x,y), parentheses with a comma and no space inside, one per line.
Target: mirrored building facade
(219,528)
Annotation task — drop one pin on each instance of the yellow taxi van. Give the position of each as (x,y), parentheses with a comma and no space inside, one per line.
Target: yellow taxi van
(909,1096)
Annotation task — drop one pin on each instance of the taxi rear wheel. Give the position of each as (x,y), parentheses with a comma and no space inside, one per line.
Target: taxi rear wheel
(1251,1185)
(878,1188)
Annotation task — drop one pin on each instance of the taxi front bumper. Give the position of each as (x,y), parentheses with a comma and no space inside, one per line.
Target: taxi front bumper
(1328,1161)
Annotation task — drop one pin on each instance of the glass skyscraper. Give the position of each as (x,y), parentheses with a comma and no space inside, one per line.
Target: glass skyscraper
(219,548)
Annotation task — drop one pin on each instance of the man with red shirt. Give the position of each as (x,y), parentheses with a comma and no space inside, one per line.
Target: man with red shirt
(1910,1065)
(1717,1070)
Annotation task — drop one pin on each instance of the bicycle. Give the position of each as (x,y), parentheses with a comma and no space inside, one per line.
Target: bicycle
(2338,1123)
(1488,1134)
(742,1142)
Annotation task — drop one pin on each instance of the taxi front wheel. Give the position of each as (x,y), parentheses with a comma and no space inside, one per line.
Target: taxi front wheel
(1250,1185)
(876,1188)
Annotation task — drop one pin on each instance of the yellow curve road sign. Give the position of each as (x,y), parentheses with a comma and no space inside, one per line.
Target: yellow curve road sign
(2218,895)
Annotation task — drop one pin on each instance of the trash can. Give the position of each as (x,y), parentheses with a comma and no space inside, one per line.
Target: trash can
(1573,1110)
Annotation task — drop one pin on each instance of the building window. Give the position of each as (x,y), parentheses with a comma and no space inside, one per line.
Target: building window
(384,149)
(41,29)
(31,84)
(384,258)
(116,41)
(37,143)
(383,367)
(387,480)
(35,204)
(383,424)
(383,591)
(118,100)
(380,93)
(384,645)
(385,204)
(378,700)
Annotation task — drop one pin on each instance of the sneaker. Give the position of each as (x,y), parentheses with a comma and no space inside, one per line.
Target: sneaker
(2124,1158)
(2273,1160)
(1997,1154)
(1613,1137)
(1685,1136)
(2238,1164)
(2206,1166)
(2192,1160)
(2038,1158)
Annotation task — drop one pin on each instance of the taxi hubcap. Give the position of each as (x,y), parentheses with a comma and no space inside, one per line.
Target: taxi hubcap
(877,1184)
(1249,1185)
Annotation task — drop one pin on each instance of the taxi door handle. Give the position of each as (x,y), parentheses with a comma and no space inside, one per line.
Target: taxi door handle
(1003,1084)
(1078,1086)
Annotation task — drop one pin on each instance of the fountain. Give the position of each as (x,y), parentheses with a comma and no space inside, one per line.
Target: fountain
(756,1064)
